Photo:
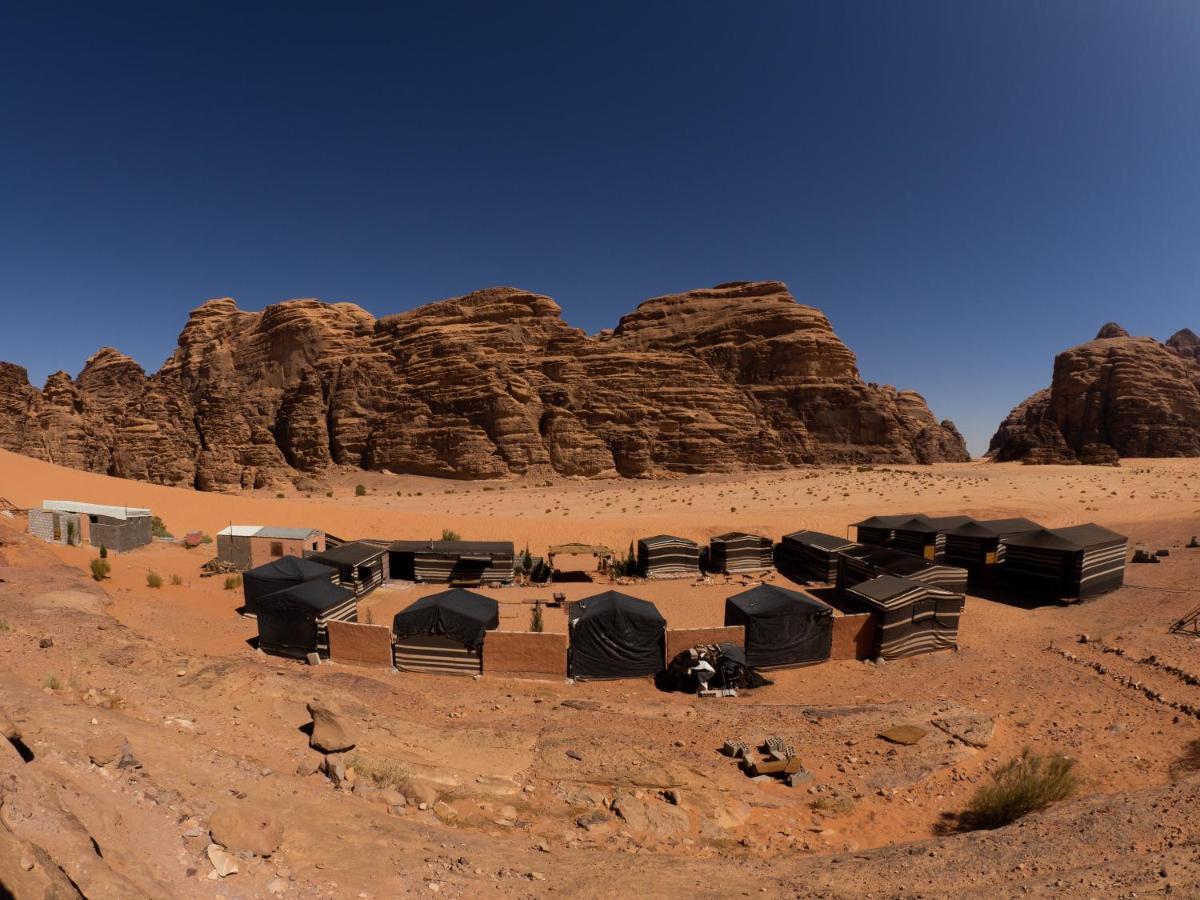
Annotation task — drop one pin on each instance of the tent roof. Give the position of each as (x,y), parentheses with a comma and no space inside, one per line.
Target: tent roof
(316,594)
(94,509)
(497,548)
(354,553)
(737,535)
(896,560)
(943,523)
(985,528)
(884,521)
(267,531)
(819,539)
(769,601)
(601,605)
(1074,538)
(666,539)
(885,591)
(457,613)
(290,569)
(577,549)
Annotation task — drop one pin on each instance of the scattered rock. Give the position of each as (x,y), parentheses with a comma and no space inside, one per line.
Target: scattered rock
(107,748)
(222,861)
(330,733)
(903,734)
(314,659)
(575,754)
(46,643)
(974,730)
(581,704)
(238,827)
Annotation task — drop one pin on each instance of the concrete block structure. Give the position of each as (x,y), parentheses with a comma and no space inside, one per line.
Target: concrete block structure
(118,528)
(251,546)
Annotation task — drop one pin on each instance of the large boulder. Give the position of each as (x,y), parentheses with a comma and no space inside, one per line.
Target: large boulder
(330,731)
(242,828)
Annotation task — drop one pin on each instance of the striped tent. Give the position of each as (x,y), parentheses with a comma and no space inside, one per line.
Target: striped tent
(1065,563)
(879,530)
(359,564)
(666,556)
(911,617)
(862,563)
(452,562)
(925,536)
(739,552)
(813,553)
(292,622)
(444,633)
(978,546)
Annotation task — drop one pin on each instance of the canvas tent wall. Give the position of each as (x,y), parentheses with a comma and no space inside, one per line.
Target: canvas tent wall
(614,635)
(1065,563)
(978,546)
(783,627)
(912,617)
(359,564)
(277,576)
(452,562)
(665,555)
(861,563)
(292,622)
(740,552)
(444,633)
(879,530)
(814,554)
(925,536)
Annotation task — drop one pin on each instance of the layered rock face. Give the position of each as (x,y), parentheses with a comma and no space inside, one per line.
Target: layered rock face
(488,385)
(1114,396)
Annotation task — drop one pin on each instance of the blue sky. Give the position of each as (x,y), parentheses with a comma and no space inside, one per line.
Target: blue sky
(964,188)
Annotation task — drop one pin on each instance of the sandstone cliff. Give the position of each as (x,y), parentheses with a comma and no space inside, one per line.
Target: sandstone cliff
(1114,396)
(487,385)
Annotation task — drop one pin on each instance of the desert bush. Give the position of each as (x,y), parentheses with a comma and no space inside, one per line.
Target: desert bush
(233,582)
(176,580)
(1022,785)
(381,773)
(158,529)
(279,495)
(53,683)
(4,626)
(360,490)
(449,534)
(103,552)
(153,579)
(535,618)
(329,493)
(100,568)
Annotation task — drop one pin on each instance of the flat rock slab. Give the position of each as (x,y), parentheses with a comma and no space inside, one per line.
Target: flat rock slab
(903,734)
(974,730)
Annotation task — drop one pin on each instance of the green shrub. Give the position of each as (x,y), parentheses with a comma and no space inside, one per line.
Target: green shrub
(103,552)
(535,618)
(176,580)
(360,490)
(4,626)
(153,579)
(53,683)
(72,531)
(158,529)
(233,582)
(329,493)
(279,495)
(1022,785)
(526,561)
(206,539)
(100,569)
(449,534)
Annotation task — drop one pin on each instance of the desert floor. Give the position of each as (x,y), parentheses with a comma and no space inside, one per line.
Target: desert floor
(494,750)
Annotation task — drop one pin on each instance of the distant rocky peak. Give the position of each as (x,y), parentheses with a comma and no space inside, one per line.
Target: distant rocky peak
(1186,343)
(1111,330)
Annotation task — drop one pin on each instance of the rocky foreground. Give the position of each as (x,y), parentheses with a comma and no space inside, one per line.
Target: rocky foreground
(1116,396)
(488,385)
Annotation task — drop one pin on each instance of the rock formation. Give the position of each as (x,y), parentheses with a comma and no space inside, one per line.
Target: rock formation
(488,385)
(1114,396)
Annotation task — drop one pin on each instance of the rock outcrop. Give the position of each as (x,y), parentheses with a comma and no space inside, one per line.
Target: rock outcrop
(1116,396)
(489,385)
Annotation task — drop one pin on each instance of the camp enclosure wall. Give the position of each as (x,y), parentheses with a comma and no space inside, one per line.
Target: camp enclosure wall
(860,563)
(739,552)
(1065,563)
(359,564)
(444,633)
(614,635)
(783,627)
(665,555)
(911,617)
(451,562)
(293,621)
(978,546)
(813,553)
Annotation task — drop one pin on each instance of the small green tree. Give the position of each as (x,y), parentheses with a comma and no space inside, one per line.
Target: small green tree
(449,534)
(72,528)
(535,618)
(158,529)
(360,490)
(153,579)
(103,552)
(100,569)
(526,561)
(631,563)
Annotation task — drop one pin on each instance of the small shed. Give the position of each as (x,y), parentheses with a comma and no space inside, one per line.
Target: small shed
(665,556)
(283,573)
(613,635)
(740,552)
(118,528)
(783,627)
(451,562)
(862,563)
(815,554)
(911,617)
(1065,563)
(293,621)
(359,564)
(444,633)
(249,546)
(978,545)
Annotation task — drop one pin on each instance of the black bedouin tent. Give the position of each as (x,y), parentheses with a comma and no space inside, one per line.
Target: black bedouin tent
(1065,563)
(452,562)
(862,562)
(783,627)
(444,632)
(925,536)
(665,555)
(285,572)
(978,545)
(291,622)
(879,530)
(614,635)
(911,617)
(740,552)
(815,554)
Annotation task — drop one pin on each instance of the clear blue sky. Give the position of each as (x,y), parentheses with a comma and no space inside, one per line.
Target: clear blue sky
(965,188)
